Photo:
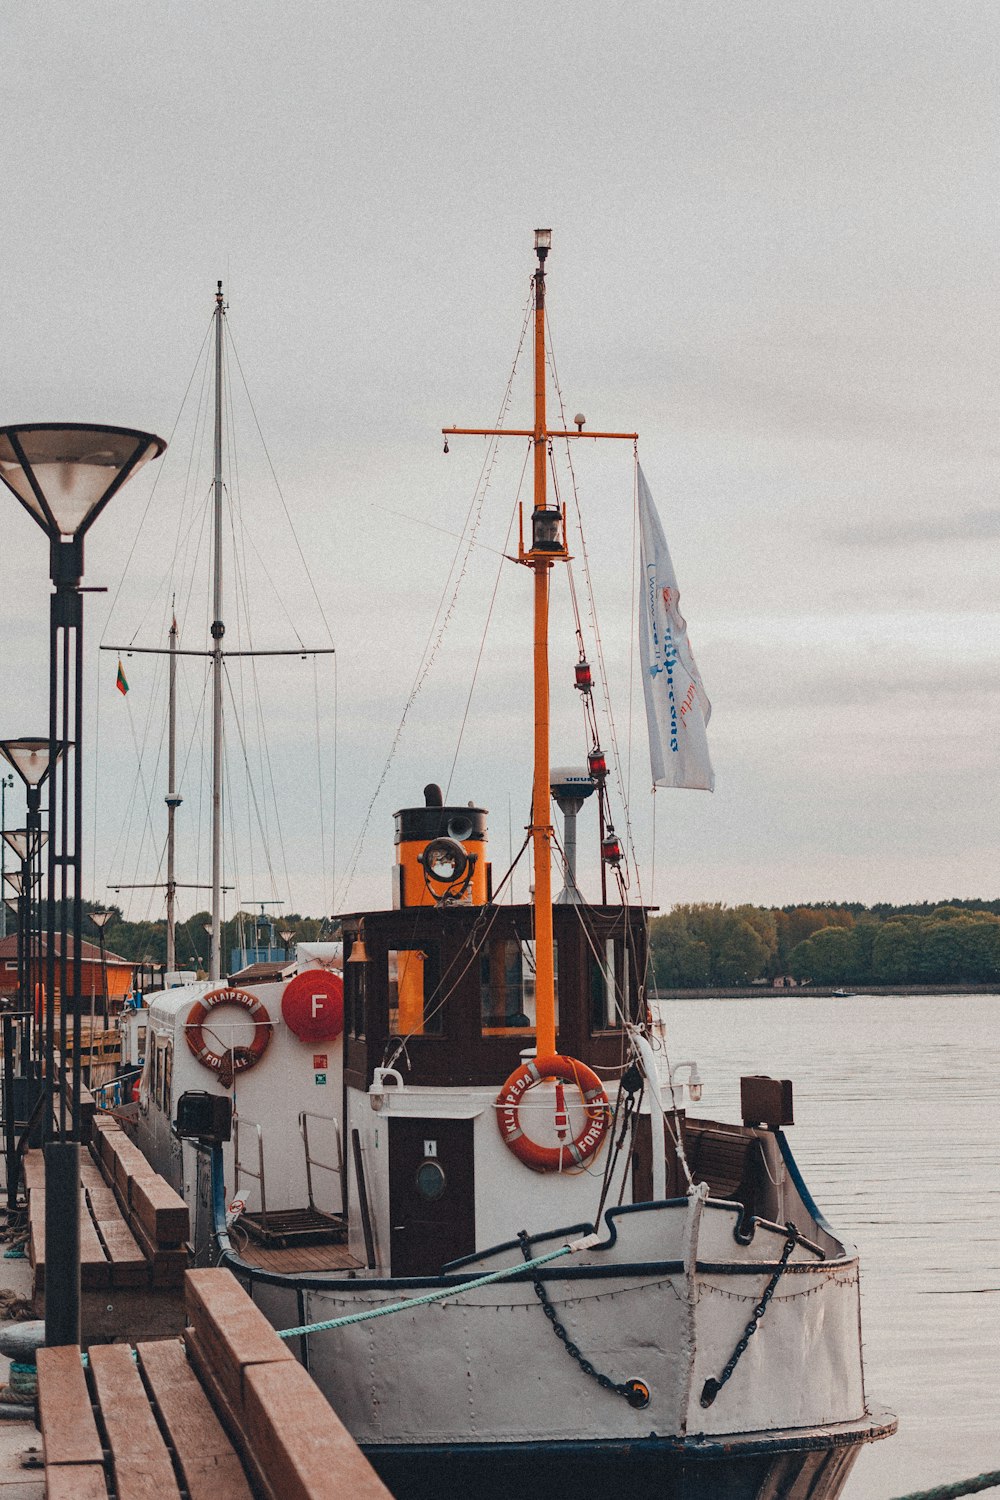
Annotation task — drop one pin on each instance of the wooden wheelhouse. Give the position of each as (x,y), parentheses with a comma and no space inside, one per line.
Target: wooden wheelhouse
(454,988)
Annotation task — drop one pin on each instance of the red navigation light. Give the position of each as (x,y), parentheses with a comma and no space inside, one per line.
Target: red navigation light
(611,849)
(597,764)
(584,680)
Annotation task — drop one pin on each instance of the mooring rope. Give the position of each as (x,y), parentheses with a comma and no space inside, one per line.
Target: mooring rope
(990,1481)
(439,1296)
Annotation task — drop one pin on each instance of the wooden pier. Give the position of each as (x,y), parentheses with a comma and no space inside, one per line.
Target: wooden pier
(225,1413)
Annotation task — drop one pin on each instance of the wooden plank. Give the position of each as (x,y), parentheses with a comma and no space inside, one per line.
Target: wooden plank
(234,1333)
(304,1449)
(209,1464)
(162,1213)
(129,1163)
(167,1267)
(65,1416)
(34,1169)
(75,1482)
(94,1267)
(129,1266)
(139,1456)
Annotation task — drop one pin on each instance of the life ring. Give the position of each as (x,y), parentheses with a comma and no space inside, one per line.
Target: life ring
(231,1060)
(564,1070)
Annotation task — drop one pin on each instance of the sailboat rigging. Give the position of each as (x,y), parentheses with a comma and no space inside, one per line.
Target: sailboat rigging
(217,655)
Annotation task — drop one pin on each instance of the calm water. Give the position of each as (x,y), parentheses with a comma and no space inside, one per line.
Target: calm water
(897,1107)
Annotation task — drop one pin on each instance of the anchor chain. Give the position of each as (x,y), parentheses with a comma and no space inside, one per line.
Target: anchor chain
(713,1386)
(635,1392)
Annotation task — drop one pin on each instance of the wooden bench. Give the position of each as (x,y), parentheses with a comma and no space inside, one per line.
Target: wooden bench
(224,1414)
(133,1240)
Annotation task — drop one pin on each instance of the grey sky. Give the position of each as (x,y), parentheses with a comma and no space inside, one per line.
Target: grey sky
(774,233)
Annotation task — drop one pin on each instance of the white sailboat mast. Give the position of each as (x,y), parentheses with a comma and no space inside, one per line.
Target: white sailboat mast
(218,631)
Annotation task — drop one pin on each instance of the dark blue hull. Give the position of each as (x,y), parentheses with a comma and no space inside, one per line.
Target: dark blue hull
(752,1467)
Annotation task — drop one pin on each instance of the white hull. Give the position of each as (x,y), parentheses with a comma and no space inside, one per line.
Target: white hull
(486,1365)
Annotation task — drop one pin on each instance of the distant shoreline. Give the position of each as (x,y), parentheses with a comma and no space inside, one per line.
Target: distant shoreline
(825,992)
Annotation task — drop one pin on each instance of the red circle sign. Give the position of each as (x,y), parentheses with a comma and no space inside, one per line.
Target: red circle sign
(312,1005)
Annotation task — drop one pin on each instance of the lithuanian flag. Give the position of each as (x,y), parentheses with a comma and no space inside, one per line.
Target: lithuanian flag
(122,681)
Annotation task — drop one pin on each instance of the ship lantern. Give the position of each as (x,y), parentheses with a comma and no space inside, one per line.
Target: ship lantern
(545,524)
(440,855)
(584,678)
(597,764)
(611,849)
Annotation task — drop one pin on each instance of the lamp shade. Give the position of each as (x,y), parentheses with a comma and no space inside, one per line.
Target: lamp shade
(17,839)
(30,759)
(100,919)
(65,473)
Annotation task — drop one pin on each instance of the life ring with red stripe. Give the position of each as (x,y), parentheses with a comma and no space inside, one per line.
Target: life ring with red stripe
(573,1153)
(231,1060)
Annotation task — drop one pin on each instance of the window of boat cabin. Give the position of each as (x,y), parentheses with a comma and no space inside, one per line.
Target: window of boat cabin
(608,975)
(507,986)
(415,994)
(355,999)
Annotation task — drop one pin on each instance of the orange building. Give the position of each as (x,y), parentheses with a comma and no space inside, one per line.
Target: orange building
(119,971)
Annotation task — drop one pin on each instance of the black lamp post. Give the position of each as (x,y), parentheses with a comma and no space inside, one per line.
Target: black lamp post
(64,475)
(32,761)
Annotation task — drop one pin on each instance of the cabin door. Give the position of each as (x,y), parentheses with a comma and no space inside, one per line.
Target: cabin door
(431,1194)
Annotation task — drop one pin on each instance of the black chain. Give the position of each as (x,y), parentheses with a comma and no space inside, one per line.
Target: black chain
(712,1387)
(635,1392)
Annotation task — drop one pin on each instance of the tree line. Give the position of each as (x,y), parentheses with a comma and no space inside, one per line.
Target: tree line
(146,942)
(710,945)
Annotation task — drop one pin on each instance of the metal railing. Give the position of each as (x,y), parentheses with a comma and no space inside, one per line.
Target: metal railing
(311,1161)
(240,1170)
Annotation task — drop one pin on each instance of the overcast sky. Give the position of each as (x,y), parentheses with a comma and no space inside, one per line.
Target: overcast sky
(774,255)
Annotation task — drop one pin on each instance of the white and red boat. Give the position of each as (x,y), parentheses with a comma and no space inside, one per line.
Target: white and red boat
(457,1146)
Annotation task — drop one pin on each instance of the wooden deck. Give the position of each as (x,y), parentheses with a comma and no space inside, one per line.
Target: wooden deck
(333,1259)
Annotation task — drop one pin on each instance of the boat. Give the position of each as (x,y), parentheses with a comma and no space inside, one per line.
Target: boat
(456,1171)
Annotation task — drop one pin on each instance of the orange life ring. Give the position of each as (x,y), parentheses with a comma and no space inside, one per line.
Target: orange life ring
(231,1060)
(553,1158)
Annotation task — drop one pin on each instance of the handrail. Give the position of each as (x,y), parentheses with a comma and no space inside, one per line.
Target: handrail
(312,1161)
(240,1170)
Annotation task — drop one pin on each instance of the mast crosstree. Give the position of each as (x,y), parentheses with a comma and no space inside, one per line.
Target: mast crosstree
(548,546)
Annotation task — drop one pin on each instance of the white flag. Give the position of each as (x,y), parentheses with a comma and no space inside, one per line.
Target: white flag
(677,708)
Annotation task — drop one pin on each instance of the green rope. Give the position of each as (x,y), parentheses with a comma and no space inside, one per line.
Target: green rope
(448,1291)
(989,1481)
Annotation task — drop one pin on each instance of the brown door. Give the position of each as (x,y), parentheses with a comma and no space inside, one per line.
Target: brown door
(431,1194)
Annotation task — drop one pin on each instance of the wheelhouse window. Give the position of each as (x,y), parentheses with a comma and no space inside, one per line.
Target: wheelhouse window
(415,1007)
(507,987)
(355,999)
(608,985)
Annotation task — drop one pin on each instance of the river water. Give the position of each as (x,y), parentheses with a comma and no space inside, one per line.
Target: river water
(897,1133)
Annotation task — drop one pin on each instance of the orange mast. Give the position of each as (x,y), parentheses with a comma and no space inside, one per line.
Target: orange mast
(548,545)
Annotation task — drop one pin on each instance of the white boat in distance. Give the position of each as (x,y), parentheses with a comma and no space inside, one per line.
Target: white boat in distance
(537,1271)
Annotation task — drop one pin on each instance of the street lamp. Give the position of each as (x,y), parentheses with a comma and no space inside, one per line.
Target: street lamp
(100,920)
(286,936)
(32,760)
(64,475)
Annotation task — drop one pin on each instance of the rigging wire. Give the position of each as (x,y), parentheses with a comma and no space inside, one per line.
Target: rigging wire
(277,485)
(489,617)
(592,604)
(156,478)
(443,614)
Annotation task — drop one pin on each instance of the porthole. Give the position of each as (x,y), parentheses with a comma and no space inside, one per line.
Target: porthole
(431,1181)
